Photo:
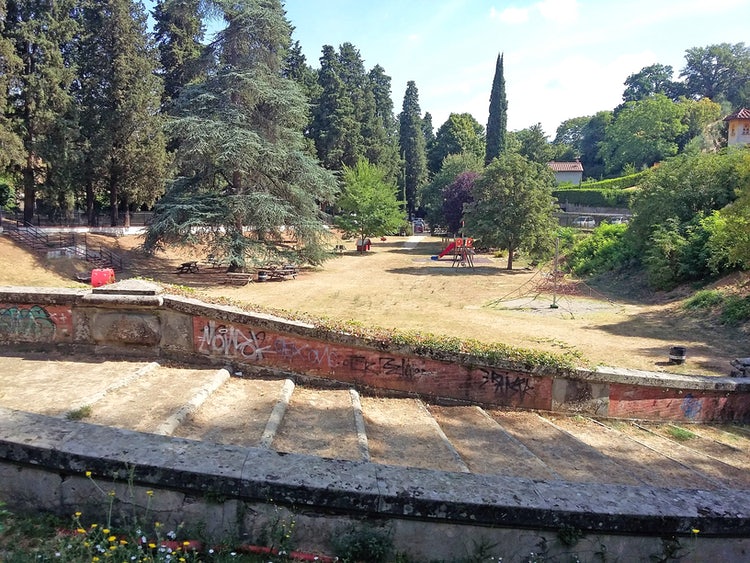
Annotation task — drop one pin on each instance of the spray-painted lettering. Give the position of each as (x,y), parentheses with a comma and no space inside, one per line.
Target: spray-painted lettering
(291,350)
(507,385)
(402,367)
(229,341)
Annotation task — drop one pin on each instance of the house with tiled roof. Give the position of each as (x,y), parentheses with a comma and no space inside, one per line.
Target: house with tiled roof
(567,172)
(738,127)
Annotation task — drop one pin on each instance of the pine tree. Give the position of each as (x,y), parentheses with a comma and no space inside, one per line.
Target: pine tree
(39,96)
(245,185)
(120,99)
(179,33)
(412,144)
(11,145)
(334,128)
(383,150)
(497,123)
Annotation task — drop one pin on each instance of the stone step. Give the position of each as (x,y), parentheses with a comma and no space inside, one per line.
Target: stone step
(204,403)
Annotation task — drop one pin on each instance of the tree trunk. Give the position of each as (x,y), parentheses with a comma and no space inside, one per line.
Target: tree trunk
(113,199)
(125,211)
(90,207)
(511,251)
(29,191)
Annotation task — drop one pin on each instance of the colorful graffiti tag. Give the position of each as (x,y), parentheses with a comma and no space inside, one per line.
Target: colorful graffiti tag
(35,323)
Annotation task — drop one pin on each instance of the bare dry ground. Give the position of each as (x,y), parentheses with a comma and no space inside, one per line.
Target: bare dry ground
(395,286)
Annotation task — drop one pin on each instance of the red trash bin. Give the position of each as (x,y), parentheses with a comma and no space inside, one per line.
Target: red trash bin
(102,276)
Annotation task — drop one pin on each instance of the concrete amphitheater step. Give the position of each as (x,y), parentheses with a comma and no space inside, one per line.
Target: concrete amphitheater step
(206,404)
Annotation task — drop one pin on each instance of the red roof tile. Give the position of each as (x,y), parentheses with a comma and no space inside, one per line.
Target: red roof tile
(742,113)
(566,166)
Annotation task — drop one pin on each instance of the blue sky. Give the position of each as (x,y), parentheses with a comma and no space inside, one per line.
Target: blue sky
(562,58)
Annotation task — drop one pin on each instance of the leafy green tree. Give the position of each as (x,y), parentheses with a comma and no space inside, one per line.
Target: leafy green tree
(729,240)
(432,195)
(669,230)
(704,124)
(570,134)
(39,97)
(532,144)
(120,97)
(643,133)
(179,34)
(650,80)
(719,72)
(412,145)
(513,206)
(497,122)
(455,197)
(592,138)
(460,133)
(368,203)
(245,185)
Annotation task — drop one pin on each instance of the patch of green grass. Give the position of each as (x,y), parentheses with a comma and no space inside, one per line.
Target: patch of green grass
(736,310)
(704,299)
(680,434)
(79,413)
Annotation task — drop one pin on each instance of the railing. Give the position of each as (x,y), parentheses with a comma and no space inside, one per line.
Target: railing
(39,240)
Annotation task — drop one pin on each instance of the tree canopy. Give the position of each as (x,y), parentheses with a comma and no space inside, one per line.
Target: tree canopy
(245,188)
(512,206)
(368,203)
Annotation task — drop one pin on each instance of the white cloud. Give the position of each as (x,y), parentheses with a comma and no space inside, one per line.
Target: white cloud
(510,15)
(559,11)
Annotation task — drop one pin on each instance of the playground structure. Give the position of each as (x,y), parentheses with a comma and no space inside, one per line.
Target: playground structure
(463,252)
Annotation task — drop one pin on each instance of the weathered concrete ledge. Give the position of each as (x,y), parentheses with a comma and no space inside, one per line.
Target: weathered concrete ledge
(134,317)
(44,463)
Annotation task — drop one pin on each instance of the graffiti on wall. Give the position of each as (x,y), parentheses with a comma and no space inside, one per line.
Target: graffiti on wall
(34,323)
(232,341)
(248,344)
(508,386)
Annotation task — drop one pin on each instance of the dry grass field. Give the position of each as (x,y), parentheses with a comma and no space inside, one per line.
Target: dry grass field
(397,285)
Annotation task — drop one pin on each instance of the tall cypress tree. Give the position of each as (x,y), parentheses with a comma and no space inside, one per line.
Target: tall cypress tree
(497,123)
(412,143)
(242,170)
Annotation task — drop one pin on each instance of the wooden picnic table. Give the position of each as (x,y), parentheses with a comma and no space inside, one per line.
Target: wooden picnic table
(190,267)
(277,272)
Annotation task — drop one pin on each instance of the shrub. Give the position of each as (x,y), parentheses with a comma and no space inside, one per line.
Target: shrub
(736,310)
(602,251)
(704,299)
(363,544)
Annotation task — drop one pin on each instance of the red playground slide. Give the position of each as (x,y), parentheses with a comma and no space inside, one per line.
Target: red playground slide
(445,251)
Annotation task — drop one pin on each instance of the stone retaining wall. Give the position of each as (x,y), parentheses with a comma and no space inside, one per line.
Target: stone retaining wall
(236,492)
(134,318)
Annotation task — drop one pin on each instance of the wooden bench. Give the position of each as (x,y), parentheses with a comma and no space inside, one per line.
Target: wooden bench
(188,268)
(237,278)
(339,248)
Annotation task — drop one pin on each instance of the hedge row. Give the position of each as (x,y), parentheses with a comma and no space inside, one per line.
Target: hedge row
(594,198)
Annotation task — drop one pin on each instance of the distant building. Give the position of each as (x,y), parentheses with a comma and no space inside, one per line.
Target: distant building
(738,127)
(567,172)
